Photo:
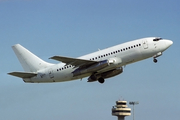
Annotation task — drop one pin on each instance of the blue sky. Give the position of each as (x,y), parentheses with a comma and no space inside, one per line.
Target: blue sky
(77,27)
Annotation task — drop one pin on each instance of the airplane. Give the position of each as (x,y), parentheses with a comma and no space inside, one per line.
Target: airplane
(97,66)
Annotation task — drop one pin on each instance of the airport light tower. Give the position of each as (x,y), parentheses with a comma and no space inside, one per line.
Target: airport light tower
(133,103)
(120,110)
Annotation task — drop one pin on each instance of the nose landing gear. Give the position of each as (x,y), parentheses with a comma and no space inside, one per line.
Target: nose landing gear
(155,56)
(155,60)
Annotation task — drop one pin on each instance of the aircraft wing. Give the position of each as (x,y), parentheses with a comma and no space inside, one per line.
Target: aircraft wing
(23,74)
(74,61)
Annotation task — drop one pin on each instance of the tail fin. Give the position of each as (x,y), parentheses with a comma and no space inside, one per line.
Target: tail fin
(29,61)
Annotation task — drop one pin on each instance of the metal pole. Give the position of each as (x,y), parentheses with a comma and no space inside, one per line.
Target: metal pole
(133,111)
(133,103)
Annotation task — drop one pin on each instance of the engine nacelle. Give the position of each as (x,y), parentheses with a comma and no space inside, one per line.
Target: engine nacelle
(107,74)
(112,73)
(92,68)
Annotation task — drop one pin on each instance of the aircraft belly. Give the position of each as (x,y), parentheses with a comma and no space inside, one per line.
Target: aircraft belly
(81,76)
(37,80)
(63,76)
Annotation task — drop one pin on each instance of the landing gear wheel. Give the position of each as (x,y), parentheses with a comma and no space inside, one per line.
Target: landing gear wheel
(155,60)
(101,80)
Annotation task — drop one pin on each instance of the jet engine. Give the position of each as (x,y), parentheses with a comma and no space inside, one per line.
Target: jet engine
(112,73)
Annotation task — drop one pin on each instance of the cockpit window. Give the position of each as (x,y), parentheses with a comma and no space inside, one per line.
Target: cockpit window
(157,39)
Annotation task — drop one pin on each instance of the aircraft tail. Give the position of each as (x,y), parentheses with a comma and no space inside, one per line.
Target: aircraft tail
(29,61)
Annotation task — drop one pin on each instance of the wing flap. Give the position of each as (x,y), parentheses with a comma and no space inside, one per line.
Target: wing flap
(73,61)
(23,74)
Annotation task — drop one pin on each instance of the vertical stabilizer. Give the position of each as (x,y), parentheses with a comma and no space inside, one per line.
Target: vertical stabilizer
(29,61)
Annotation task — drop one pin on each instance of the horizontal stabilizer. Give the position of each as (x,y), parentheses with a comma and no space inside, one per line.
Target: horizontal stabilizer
(23,74)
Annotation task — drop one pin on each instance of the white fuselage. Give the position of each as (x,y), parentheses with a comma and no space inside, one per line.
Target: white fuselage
(127,53)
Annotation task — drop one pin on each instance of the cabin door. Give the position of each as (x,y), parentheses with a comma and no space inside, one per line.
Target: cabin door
(145,44)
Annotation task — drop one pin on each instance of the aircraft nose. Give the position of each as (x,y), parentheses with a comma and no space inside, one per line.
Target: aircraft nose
(168,43)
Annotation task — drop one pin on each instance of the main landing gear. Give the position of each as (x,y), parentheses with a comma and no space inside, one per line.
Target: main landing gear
(93,78)
(101,80)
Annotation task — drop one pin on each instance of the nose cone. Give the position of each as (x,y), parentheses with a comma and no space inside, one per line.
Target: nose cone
(168,43)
